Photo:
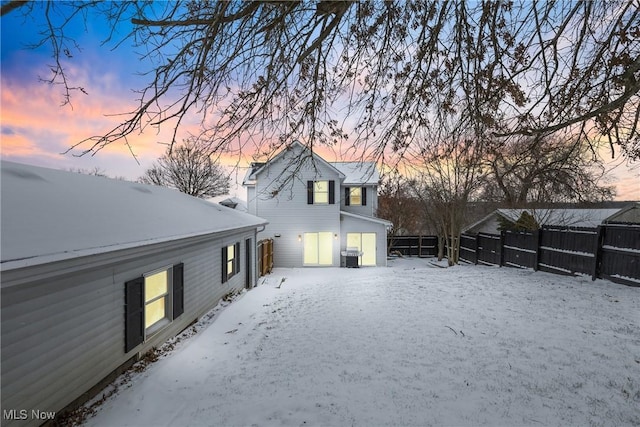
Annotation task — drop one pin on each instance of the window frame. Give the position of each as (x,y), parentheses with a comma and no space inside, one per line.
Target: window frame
(135,332)
(313,192)
(168,301)
(353,190)
(318,192)
(362,198)
(230,266)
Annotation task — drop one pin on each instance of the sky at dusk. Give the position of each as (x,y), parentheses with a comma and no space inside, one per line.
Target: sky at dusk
(37,129)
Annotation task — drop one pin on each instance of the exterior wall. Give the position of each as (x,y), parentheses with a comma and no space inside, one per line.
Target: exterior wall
(489,226)
(370,209)
(63,324)
(288,213)
(251,199)
(356,225)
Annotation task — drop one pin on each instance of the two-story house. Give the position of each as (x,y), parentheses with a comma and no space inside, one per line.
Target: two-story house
(317,209)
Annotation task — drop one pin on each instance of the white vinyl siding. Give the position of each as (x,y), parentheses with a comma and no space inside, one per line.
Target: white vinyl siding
(290,215)
(64,331)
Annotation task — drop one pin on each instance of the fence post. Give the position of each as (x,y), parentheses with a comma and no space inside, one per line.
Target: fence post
(595,271)
(536,242)
(475,248)
(502,233)
(475,239)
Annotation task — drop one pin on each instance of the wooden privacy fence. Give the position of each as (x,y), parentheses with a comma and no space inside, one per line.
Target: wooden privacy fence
(265,257)
(609,251)
(421,246)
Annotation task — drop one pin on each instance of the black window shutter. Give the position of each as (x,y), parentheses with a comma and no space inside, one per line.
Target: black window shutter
(332,192)
(178,290)
(224,264)
(309,192)
(133,313)
(347,196)
(236,253)
(364,196)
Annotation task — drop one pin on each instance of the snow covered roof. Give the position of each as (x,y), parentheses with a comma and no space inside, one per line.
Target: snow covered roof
(50,215)
(303,154)
(565,217)
(384,222)
(358,172)
(569,217)
(353,172)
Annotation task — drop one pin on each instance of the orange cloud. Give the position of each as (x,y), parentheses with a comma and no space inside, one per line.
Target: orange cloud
(35,125)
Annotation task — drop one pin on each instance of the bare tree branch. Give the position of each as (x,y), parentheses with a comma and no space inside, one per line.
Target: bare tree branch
(371,75)
(189,169)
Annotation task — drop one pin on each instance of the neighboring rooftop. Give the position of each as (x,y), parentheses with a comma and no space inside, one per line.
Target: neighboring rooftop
(50,215)
(589,217)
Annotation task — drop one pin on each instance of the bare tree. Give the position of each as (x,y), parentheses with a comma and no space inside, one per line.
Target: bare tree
(398,204)
(189,169)
(543,170)
(448,173)
(269,72)
(95,171)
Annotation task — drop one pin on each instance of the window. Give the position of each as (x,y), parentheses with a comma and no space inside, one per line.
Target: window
(320,192)
(355,196)
(152,301)
(318,248)
(230,261)
(156,300)
(366,243)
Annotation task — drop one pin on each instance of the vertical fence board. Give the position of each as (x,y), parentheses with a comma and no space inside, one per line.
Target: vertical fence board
(489,249)
(469,248)
(620,254)
(520,249)
(420,246)
(265,257)
(611,251)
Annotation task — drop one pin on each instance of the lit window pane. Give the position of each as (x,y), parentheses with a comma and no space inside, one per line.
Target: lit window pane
(155,285)
(321,192)
(310,248)
(369,248)
(318,248)
(355,198)
(230,254)
(154,312)
(353,241)
(230,267)
(321,186)
(325,248)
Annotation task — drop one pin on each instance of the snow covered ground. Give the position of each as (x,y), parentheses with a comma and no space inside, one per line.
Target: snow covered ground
(410,344)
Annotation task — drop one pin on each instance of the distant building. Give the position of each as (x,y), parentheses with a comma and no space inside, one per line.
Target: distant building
(96,272)
(591,217)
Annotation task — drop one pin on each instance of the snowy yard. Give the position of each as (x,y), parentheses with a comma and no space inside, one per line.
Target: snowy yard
(411,344)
